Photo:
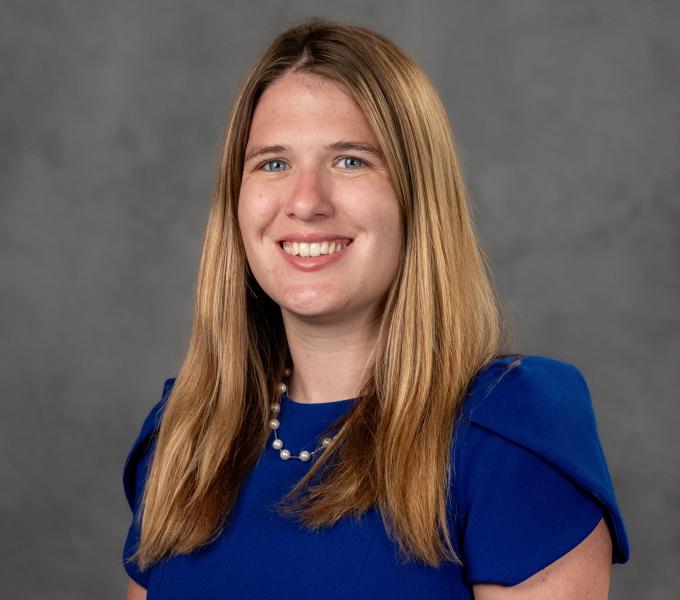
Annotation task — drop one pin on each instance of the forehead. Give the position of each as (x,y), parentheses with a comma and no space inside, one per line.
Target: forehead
(307,105)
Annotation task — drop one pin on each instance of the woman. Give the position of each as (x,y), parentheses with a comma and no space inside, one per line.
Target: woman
(344,423)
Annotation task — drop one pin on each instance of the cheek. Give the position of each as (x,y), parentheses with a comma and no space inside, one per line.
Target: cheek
(256,211)
(388,227)
(384,219)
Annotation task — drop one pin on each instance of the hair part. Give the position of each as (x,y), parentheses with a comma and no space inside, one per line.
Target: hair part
(441,324)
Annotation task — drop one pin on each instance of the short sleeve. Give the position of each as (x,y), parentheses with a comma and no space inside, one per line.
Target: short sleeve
(134,478)
(532,480)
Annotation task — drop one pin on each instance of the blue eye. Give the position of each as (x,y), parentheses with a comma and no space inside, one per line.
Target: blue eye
(273,162)
(351,162)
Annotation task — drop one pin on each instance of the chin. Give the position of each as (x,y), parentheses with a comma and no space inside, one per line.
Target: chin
(309,299)
(318,309)
(310,311)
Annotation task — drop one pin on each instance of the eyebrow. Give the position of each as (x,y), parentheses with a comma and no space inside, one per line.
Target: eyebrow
(342,146)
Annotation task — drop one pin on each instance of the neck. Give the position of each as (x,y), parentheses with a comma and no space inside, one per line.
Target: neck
(329,361)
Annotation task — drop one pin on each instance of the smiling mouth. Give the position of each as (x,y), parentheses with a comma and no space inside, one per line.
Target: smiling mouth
(312,249)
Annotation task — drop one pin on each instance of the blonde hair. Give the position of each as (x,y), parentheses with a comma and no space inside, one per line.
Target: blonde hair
(441,324)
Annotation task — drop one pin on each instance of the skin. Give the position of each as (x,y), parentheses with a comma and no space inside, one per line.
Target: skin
(135,591)
(581,574)
(331,315)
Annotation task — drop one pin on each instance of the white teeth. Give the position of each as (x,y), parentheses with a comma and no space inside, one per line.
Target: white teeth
(314,249)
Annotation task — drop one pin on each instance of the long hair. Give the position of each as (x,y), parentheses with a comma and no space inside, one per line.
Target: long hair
(441,324)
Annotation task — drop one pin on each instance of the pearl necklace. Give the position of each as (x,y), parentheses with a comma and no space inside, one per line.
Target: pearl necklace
(274,424)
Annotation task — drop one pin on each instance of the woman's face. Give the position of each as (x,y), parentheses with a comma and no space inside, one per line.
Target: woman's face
(317,212)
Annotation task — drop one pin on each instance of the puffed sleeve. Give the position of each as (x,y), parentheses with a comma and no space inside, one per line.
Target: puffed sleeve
(134,478)
(530,474)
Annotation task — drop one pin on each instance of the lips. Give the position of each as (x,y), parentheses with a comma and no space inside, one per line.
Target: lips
(312,256)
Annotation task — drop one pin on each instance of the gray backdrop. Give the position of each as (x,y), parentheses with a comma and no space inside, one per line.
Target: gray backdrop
(567,119)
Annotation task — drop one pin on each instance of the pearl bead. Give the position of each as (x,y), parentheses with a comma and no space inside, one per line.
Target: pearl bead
(277,444)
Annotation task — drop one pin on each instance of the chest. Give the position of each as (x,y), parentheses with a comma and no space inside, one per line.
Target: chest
(263,555)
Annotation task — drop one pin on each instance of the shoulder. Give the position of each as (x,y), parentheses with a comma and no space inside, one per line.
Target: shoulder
(134,479)
(530,474)
(520,374)
(137,462)
(532,399)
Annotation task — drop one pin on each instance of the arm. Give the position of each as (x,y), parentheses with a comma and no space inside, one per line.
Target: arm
(135,591)
(581,574)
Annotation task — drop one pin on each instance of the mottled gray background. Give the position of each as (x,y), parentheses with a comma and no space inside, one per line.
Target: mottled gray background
(567,117)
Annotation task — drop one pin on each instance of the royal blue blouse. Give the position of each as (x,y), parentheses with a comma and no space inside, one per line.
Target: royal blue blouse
(529,483)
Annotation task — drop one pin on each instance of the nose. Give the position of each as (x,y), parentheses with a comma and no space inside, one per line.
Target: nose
(309,197)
